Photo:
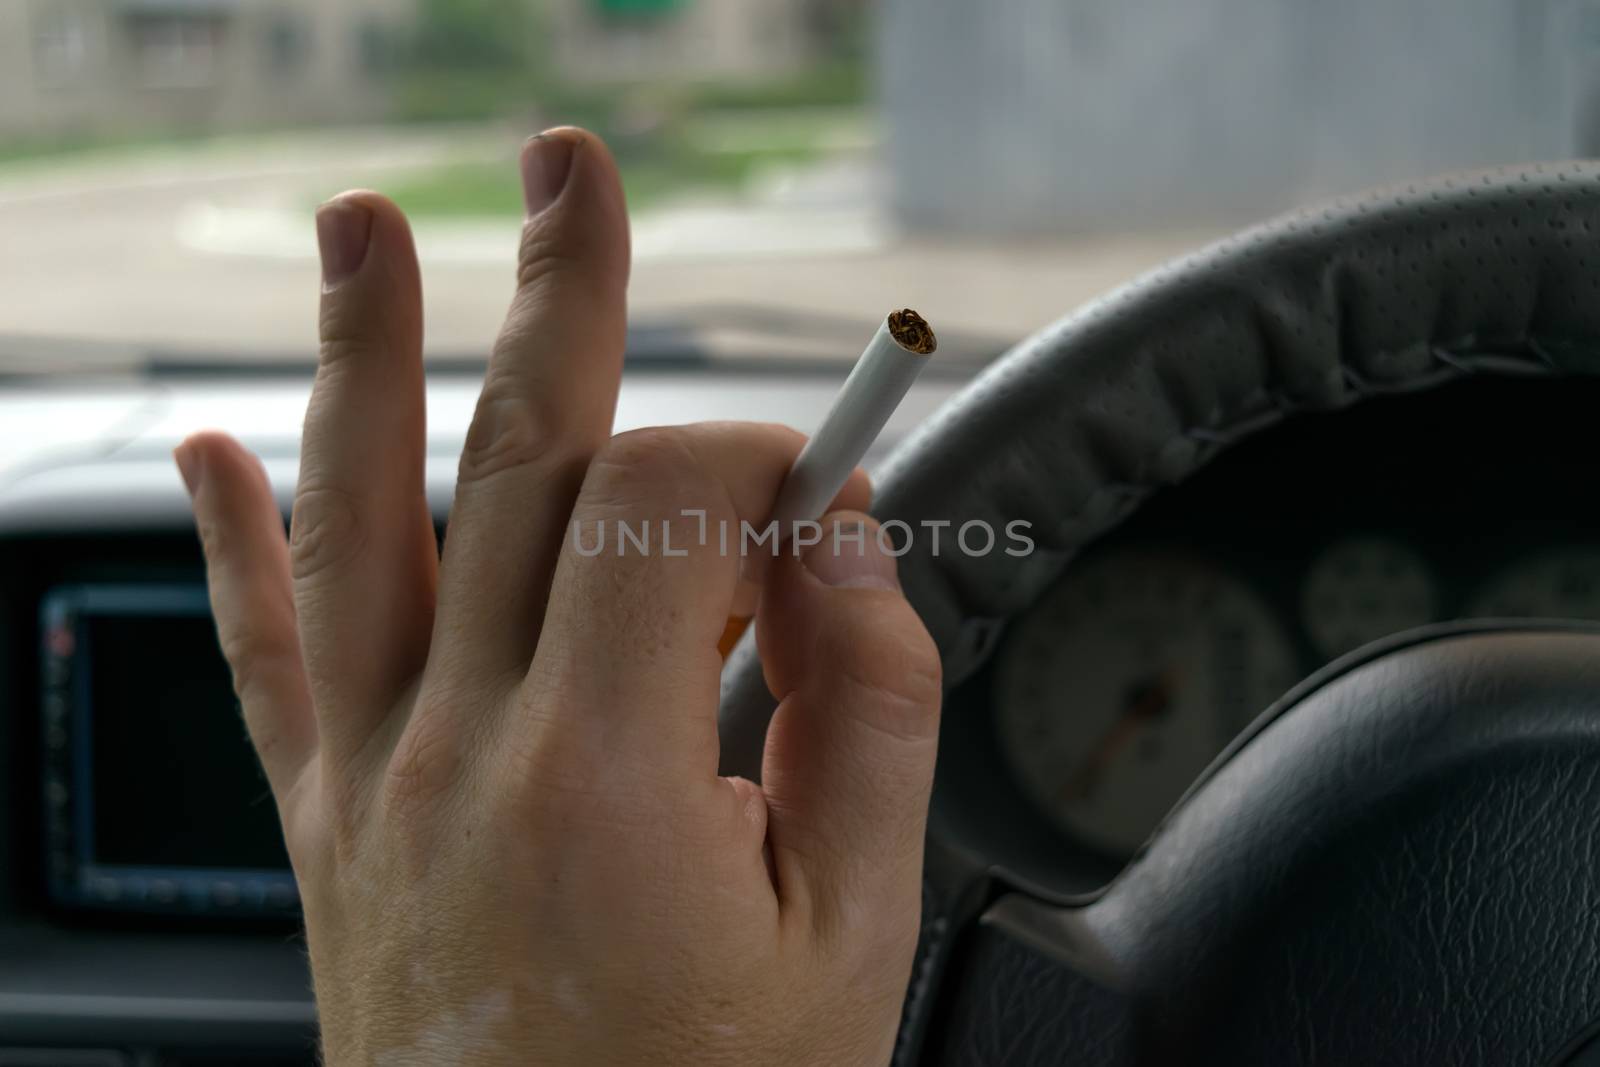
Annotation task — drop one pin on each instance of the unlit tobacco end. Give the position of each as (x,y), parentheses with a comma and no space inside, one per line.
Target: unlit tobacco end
(912,332)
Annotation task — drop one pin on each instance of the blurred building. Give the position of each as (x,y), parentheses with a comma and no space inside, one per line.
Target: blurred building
(69,66)
(681,40)
(1016,116)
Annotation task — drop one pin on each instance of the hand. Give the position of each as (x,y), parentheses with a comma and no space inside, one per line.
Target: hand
(497,773)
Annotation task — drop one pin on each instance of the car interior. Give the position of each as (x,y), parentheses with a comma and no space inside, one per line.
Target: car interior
(1288,806)
(1278,747)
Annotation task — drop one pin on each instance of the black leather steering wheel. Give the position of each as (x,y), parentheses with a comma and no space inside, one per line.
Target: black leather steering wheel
(1396,864)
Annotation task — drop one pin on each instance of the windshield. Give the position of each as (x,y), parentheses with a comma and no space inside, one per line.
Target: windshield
(795,167)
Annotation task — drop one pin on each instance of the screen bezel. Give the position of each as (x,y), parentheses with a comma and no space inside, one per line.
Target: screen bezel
(76,878)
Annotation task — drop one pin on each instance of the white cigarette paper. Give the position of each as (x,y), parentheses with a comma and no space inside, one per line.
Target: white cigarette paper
(875,387)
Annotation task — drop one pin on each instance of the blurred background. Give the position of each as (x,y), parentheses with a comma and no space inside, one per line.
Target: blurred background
(794,167)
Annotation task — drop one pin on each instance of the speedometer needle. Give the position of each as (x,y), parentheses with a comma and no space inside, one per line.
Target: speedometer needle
(1145,704)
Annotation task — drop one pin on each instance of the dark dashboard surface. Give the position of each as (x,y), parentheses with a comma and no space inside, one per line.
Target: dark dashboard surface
(162,989)
(1479,497)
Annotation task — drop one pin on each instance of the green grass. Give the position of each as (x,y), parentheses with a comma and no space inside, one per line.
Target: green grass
(493,189)
(694,136)
(835,84)
(432,95)
(460,189)
(519,93)
(23,149)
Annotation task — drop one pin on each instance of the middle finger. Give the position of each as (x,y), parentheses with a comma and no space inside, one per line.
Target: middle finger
(546,407)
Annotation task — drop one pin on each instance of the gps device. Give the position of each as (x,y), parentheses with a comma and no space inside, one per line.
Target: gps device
(154,799)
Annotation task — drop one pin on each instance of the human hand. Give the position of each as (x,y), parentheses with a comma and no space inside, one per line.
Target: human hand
(497,773)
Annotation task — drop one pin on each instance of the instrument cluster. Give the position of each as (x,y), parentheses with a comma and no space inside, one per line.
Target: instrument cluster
(1117,689)
(1160,642)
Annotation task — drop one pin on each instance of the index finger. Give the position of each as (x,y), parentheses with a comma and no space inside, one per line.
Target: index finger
(647,575)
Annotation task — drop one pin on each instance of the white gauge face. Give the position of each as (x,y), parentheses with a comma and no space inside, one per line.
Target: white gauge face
(1560,585)
(1117,689)
(1364,589)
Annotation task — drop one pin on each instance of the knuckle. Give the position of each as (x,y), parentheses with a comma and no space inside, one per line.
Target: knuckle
(342,347)
(307,830)
(545,252)
(899,671)
(257,660)
(645,465)
(214,540)
(558,783)
(737,430)
(559,767)
(325,531)
(425,766)
(509,431)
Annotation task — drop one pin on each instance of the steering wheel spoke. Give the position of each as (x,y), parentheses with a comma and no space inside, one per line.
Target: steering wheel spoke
(1394,867)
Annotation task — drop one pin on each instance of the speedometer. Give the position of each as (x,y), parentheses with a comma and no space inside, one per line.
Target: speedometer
(1117,689)
(1365,588)
(1559,585)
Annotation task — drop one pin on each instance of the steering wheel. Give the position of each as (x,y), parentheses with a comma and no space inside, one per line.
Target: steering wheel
(1396,863)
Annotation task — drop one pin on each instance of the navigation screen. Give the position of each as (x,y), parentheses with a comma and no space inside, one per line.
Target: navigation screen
(175,782)
(155,799)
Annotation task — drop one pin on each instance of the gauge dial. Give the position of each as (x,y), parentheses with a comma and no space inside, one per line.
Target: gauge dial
(1118,688)
(1362,589)
(1558,585)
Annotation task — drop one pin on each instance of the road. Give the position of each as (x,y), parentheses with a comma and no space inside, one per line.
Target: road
(211,250)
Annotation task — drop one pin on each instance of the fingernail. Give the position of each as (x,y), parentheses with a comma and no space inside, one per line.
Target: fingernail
(851,555)
(546,162)
(190,466)
(344,230)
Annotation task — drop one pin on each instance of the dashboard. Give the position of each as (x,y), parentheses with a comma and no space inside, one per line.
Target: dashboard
(1162,643)
(145,915)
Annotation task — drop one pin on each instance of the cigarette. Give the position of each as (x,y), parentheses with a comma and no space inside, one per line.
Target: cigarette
(876,385)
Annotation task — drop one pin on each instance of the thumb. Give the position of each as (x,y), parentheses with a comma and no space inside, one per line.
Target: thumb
(850,752)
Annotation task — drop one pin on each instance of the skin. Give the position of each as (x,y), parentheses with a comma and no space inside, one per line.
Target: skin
(497,769)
